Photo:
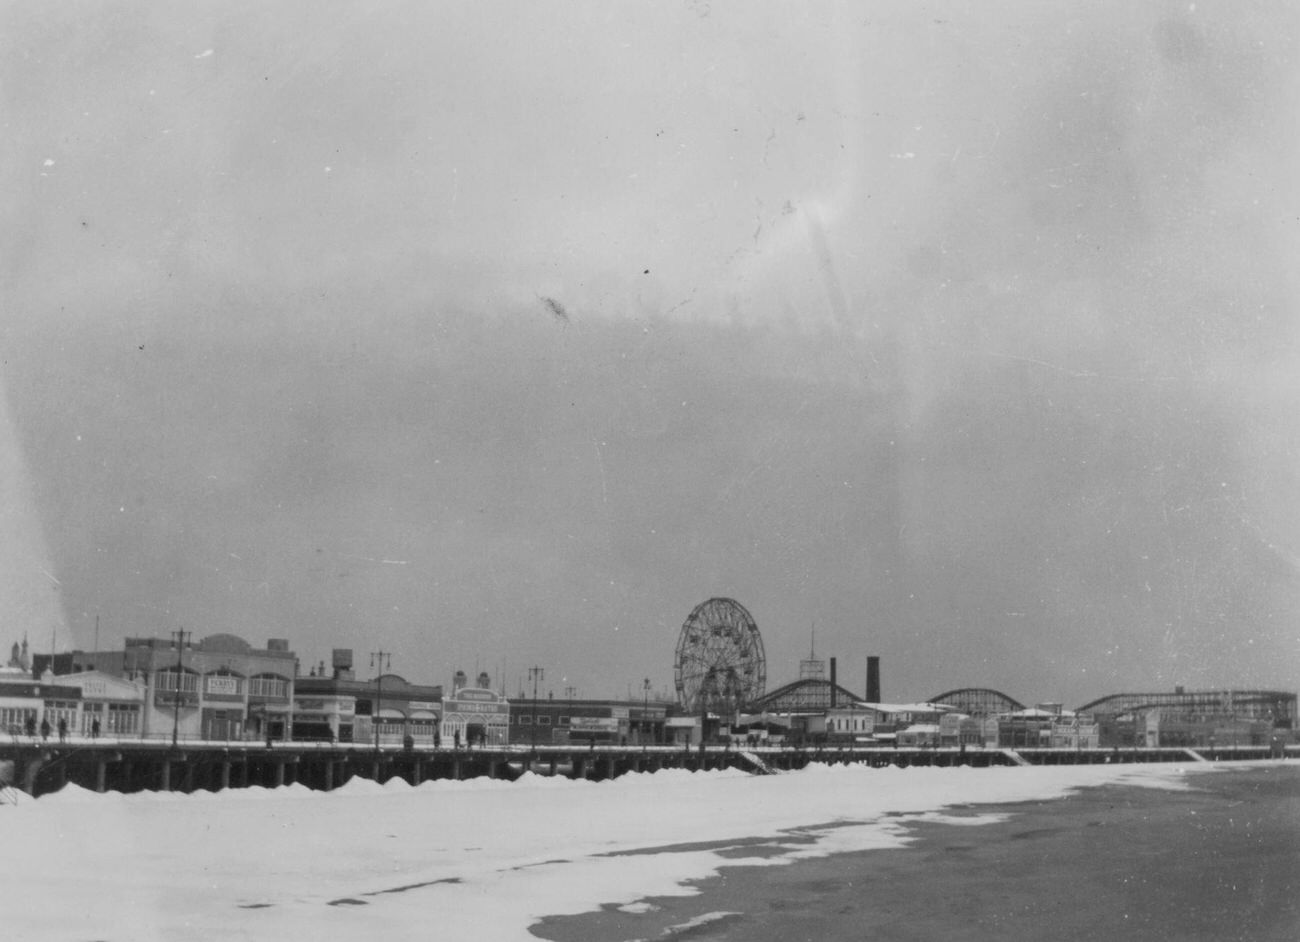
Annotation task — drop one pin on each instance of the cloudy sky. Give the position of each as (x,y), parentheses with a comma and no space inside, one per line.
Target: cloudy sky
(503,335)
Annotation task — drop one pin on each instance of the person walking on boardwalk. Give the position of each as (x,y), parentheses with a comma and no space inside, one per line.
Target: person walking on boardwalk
(45,728)
(63,729)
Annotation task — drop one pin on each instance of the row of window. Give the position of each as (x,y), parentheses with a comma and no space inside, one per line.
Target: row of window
(119,719)
(526,720)
(15,717)
(223,684)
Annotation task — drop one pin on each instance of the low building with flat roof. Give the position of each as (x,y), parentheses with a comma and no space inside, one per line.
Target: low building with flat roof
(384,709)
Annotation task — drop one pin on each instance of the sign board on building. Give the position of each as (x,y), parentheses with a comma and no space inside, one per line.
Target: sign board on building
(221,685)
(593,724)
(472,700)
(464,706)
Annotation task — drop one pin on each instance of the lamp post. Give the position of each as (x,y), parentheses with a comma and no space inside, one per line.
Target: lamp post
(179,635)
(535,674)
(569,693)
(645,710)
(379,660)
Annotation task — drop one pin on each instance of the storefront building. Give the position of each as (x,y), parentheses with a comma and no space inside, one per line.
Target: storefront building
(384,710)
(586,722)
(475,716)
(220,688)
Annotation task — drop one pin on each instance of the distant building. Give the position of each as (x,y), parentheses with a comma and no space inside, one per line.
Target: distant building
(111,707)
(1276,707)
(387,708)
(809,695)
(549,721)
(475,715)
(960,729)
(19,659)
(1026,729)
(27,704)
(218,688)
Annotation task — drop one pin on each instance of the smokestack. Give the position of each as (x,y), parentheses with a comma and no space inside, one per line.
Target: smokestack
(834,690)
(873,679)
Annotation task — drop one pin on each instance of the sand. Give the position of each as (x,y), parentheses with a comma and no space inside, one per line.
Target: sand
(1218,862)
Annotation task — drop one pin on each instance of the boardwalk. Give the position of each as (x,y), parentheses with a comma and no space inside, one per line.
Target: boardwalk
(39,767)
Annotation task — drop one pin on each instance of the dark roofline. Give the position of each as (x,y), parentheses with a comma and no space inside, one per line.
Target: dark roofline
(1016,704)
(802,682)
(1166,695)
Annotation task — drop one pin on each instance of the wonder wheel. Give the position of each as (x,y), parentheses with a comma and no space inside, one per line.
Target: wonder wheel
(720,664)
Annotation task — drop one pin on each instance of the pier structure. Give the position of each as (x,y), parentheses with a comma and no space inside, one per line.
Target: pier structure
(40,767)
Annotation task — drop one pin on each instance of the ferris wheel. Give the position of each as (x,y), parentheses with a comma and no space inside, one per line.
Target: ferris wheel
(720,663)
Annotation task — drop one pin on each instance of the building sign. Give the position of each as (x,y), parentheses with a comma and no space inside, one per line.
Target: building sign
(456,706)
(219,685)
(473,700)
(594,724)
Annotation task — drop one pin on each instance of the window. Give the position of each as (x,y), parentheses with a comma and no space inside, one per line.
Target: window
(543,721)
(65,710)
(123,719)
(89,713)
(14,719)
(189,683)
(268,686)
(525,721)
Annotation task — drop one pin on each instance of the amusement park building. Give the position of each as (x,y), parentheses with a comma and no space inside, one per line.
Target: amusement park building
(1275,706)
(806,695)
(978,701)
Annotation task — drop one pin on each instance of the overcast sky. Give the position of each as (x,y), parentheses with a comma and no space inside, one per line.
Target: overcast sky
(502,335)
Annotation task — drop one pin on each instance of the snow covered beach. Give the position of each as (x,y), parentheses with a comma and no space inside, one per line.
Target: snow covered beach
(484,856)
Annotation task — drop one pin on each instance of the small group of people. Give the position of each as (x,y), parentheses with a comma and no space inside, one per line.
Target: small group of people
(46,729)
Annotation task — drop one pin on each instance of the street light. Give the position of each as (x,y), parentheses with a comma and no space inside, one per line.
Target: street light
(380,660)
(645,710)
(179,634)
(535,674)
(569,693)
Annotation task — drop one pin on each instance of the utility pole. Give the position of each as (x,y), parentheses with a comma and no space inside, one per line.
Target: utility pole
(535,674)
(645,710)
(381,661)
(179,634)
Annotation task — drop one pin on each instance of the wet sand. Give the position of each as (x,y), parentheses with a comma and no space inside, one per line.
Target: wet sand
(1220,862)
